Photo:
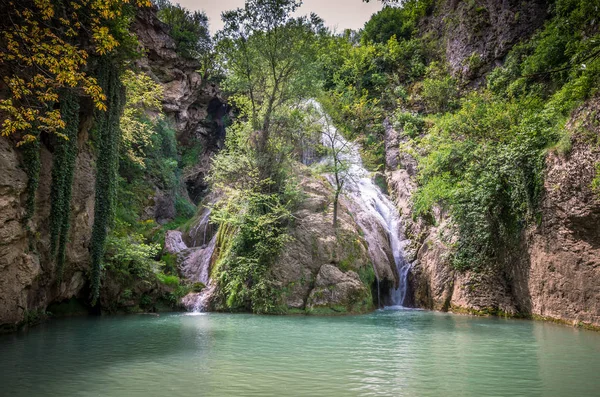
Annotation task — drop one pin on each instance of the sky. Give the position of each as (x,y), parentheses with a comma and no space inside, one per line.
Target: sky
(340,14)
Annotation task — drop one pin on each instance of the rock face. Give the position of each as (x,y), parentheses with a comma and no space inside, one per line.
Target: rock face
(27,273)
(555,274)
(319,269)
(563,252)
(194,106)
(336,291)
(478,34)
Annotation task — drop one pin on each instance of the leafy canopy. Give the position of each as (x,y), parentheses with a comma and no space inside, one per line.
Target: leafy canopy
(45,46)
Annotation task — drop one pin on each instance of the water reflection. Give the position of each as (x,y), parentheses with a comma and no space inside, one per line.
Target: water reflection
(401,353)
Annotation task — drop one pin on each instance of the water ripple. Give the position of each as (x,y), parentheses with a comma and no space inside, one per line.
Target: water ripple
(389,352)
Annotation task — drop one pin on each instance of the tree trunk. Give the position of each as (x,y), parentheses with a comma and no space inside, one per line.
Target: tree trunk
(335,208)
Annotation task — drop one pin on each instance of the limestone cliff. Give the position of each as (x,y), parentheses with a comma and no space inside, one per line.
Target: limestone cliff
(555,273)
(28,283)
(27,276)
(477,35)
(194,105)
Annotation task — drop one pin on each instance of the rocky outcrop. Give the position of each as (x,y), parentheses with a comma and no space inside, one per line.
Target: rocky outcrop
(562,280)
(319,268)
(338,292)
(28,281)
(556,272)
(477,35)
(194,105)
(27,275)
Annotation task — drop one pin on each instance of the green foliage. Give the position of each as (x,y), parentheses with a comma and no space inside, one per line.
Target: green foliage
(148,160)
(252,219)
(140,114)
(259,224)
(401,22)
(170,280)
(270,58)
(127,255)
(485,163)
(191,154)
(170,263)
(198,287)
(63,168)
(188,29)
(31,160)
(191,34)
(410,124)
(362,81)
(367,275)
(271,63)
(439,90)
(184,208)
(106,136)
(174,298)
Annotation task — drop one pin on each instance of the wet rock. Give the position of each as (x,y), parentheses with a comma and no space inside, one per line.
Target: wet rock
(200,301)
(195,263)
(174,242)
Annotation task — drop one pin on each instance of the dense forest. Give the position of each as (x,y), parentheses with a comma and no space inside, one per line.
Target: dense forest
(472,125)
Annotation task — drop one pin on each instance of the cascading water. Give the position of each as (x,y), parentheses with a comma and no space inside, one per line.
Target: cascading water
(368,197)
(196,267)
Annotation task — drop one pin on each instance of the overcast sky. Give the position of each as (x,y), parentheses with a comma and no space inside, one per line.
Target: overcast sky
(340,14)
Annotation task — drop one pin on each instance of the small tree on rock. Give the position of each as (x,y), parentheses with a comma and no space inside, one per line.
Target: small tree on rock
(338,150)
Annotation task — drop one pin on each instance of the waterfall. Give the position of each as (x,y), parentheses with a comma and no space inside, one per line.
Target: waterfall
(195,265)
(365,195)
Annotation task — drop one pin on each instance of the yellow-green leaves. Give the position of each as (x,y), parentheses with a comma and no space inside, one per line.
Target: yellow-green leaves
(44,48)
(142,109)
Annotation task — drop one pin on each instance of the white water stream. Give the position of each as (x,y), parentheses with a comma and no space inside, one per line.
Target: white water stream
(362,192)
(196,265)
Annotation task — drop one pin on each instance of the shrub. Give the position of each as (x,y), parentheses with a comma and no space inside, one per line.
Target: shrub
(170,280)
(439,92)
(129,257)
(485,163)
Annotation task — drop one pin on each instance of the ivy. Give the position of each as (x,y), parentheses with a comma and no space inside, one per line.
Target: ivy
(31,160)
(45,47)
(107,136)
(63,168)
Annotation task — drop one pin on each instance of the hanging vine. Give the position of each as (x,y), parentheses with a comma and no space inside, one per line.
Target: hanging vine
(63,168)
(31,160)
(107,136)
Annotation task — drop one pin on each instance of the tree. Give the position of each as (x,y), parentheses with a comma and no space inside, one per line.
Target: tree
(141,113)
(268,56)
(45,46)
(338,150)
(387,23)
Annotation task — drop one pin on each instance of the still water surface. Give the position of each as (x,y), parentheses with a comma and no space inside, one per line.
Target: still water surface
(387,353)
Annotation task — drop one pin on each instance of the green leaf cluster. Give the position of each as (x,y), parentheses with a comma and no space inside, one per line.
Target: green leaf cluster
(63,168)
(106,137)
(482,159)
